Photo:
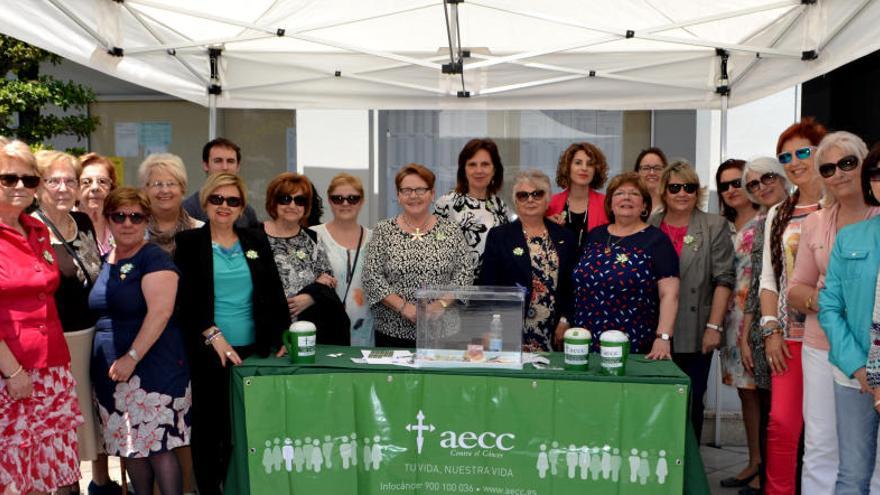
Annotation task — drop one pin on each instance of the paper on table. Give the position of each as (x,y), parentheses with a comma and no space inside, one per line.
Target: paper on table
(373,356)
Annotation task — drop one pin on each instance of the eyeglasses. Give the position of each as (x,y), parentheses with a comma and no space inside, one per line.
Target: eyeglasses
(523,196)
(874,174)
(846,164)
(689,188)
(651,168)
(801,154)
(724,186)
(766,179)
(103,182)
(55,182)
(118,217)
(409,191)
(338,199)
(159,185)
(286,199)
(231,201)
(11,180)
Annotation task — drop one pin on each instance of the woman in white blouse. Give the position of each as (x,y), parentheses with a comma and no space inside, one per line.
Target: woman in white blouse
(345,242)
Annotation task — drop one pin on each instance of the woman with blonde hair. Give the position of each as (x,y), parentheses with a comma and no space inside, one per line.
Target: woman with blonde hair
(163,179)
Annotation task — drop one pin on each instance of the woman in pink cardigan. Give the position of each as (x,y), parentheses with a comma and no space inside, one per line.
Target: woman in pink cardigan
(582,169)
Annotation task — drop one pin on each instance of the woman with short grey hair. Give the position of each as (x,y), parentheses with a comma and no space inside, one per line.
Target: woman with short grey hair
(163,179)
(536,253)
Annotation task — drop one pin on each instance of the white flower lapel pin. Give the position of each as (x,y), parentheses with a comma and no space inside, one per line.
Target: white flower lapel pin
(518,251)
(251,254)
(124,269)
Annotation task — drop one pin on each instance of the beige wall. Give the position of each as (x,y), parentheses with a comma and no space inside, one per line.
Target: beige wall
(636,136)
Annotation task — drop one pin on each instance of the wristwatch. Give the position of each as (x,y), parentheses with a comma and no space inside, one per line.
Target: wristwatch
(767,319)
(664,336)
(134,355)
(770,328)
(715,327)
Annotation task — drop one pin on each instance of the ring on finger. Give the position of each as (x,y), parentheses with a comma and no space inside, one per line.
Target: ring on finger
(228,353)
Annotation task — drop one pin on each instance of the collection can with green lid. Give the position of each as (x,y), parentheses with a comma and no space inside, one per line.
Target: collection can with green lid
(577,348)
(300,342)
(613,351)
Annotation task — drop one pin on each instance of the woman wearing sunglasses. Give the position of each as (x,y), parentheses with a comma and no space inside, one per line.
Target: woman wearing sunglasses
(766,185)
(231,305)
(97,179)
(741,213)
(39,414)
(474,204)
(850,316)
(138,359)
(839,161)
(345,242)
(76,251)
(582,171)
(634,267)
(302,263)
(535,253)
(408,252)
(705,251)
(781,323)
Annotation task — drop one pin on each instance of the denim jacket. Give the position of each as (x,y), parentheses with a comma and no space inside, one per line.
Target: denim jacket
(846,304)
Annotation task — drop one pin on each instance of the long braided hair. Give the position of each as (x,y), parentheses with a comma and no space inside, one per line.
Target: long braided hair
(813,132)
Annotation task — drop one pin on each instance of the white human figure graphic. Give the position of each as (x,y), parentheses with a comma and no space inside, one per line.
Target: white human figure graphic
(267,457)
(571,460)
(376,454)
(584,462)
(287,453)
(368,454)
(633,465)
(307,450)
(644,468)
(616,461)
(317,458)
(277,457)
(606,462)
(345,452)
(554,457)
(354,449)
(595,463)
(543,462)
(327,451)
(299,456)
(662,468)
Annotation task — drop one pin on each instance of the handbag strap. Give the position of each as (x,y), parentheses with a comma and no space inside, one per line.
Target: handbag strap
(67,247)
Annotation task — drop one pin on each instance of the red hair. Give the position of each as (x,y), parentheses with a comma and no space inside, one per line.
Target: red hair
(807,128)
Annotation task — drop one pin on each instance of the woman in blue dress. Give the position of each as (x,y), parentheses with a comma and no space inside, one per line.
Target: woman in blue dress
(627,276)
(139,369)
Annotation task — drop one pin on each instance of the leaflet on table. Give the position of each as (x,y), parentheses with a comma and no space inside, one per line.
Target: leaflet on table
(385,356)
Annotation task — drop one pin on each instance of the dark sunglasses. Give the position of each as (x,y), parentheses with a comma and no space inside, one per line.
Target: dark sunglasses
(524,196)
(28,181)
(801,153)
(118,217)
(735,183)
(874,174)
(689,188)
(232,201)
(846,164)
(286,199)
(765,179)
(338,199)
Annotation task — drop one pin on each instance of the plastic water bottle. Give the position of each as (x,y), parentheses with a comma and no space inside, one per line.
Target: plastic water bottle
(496,333)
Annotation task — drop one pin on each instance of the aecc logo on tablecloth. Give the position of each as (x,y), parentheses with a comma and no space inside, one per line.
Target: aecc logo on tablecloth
(465,440)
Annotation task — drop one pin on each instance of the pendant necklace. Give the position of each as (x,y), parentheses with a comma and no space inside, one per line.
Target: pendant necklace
(418,234)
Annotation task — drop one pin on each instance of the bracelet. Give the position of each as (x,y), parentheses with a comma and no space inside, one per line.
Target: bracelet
(713,326)
(213,336)
(770,332)
(15,373)
(810,303)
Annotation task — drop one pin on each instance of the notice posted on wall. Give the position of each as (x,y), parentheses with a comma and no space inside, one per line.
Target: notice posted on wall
(127,138)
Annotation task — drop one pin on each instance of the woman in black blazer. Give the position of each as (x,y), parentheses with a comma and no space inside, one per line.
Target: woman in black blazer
(536,255)
(231,305)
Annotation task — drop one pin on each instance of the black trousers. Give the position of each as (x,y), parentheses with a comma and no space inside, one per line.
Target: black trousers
(696,366)
(383,340)
(211,431)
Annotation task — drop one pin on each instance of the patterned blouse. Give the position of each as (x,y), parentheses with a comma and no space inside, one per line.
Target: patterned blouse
(399,263)
(616,284)
(752,306)
(165,240)
(475,217)
(300,260)
(733,372)
(537,333)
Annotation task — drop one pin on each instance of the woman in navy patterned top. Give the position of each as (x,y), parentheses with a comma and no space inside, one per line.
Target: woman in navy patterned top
(627,276)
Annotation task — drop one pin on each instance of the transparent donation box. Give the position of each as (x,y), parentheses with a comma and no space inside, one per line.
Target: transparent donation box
(469,327)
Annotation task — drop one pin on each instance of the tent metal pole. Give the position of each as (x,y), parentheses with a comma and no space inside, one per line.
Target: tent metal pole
(79,22)
(212,117)
(716,354)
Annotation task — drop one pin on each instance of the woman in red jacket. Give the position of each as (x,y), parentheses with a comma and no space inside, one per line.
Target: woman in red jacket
(581,171)
(38,408)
